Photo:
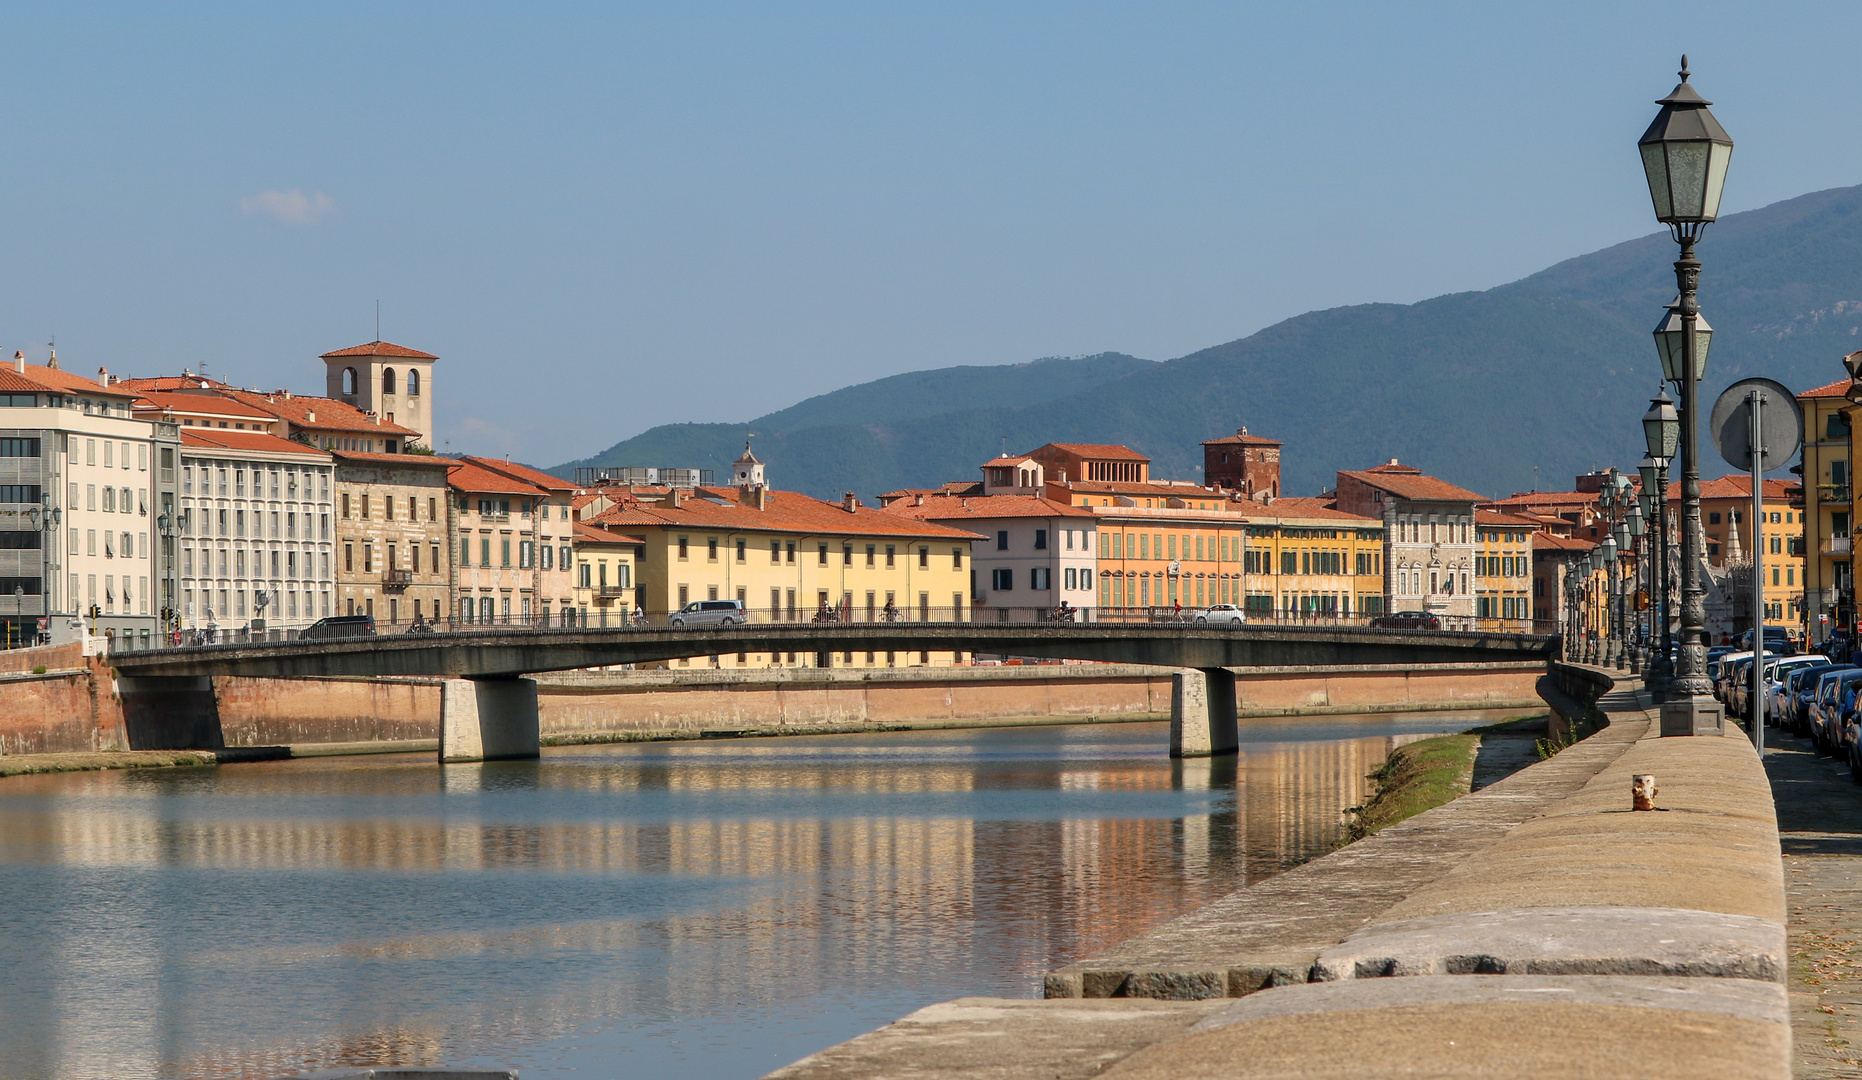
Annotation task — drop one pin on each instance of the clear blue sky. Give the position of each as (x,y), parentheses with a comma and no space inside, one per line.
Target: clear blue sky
(605,217)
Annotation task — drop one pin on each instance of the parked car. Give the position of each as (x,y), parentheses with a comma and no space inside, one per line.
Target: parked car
(1826,714)
(341,626)
(1782,640)
(709,613)
(1738,677)
(1777,676)
(1806,706)
(1720,673)
(1220,613)
(1407,620)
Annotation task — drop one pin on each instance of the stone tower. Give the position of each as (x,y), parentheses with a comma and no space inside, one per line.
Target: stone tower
(392,381)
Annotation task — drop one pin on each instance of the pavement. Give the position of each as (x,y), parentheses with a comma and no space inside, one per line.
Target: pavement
(1820,833)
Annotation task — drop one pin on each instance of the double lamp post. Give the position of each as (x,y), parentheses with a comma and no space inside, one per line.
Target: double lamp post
(1684,154)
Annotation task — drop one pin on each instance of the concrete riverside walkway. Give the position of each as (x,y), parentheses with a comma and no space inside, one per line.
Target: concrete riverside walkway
(1820,829)
(1535,928)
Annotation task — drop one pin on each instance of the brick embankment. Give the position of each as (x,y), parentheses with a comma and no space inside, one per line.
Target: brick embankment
(1537,927)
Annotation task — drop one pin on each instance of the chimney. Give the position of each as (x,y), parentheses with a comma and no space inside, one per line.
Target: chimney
(918,499)
(286,394)
(19,362)
(310,416)
(762,497)
(103,376)
(848,502)
(1393,461)
(674,497)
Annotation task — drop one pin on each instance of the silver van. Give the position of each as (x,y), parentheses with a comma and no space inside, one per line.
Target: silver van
(709,613)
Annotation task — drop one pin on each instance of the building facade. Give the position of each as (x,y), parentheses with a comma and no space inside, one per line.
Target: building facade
(548,552)
(607,592)
(1430,545)
(1503,571)
(1826,536)
(256,539)
(393,547)
(385,380)
(1036,554)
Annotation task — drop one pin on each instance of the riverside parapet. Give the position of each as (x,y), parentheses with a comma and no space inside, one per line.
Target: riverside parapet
(1537,927)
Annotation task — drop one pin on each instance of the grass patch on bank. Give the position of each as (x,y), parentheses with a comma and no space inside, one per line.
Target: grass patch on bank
(1417,777)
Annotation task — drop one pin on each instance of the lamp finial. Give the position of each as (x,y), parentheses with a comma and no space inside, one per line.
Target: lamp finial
(1683,73)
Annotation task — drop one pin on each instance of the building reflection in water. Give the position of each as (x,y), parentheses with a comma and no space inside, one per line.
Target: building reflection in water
(254,920)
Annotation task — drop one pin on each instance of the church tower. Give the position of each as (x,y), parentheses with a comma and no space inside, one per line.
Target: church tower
(392,381)
(747,471)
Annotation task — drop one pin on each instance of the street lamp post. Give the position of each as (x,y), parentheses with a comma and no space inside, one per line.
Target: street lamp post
(1608,551)
(1636,527)
(1685,152)
(1661,429)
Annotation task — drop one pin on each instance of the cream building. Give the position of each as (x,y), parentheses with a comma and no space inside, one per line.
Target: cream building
(1430,543)
(257,536)
(504,530)
(393,548)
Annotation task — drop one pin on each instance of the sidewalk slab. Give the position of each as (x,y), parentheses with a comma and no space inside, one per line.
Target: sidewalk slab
(1516,1026)
(1003,1039)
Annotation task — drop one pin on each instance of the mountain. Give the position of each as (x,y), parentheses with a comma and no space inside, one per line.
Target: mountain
(1553,371)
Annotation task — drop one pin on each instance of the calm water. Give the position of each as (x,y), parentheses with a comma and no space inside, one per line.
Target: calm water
(717,908)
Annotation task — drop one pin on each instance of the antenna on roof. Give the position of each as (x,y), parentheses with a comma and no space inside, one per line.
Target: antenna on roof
(378,320)
(1005,446)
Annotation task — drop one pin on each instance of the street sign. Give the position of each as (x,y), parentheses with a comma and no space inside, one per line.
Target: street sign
(1756,427)
(1730,427)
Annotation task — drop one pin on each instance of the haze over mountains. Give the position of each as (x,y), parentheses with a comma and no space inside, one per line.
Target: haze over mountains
(1552,371)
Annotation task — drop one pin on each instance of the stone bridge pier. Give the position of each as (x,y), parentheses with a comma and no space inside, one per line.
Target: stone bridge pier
(1203,713)
(489,718)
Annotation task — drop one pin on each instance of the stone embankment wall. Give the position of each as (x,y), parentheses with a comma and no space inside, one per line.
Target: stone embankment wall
(58,709)
(1536,928)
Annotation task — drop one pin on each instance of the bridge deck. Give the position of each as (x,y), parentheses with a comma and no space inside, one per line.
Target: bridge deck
(505,652)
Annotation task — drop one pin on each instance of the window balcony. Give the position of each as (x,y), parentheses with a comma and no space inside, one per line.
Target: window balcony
(611,592)
(1837,545)
(396,580)
(1833,493)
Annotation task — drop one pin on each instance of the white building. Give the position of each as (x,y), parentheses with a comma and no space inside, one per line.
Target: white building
(78,502)
(1429,538)
(256,517)
(1037,553)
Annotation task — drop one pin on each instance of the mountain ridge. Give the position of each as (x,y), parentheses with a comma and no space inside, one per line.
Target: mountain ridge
(1551,371)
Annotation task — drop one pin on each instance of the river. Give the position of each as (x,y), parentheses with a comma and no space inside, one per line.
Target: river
(713,909)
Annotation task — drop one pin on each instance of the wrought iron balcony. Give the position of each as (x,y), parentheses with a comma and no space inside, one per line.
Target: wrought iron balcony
(609,592)
(396,580)
(1833,493)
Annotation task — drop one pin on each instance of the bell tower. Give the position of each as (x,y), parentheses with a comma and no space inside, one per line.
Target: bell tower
(392,381)
(747,471)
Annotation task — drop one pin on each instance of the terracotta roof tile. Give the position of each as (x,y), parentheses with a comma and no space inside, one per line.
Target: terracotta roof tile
(381,348)
(217,404)
(1837,389)
(65,382)
(1241,438)
(1494,517)
(597,535)
(1736,486)
(332,415)
(1409,483)
(523,472)
(1100,450)
(1309,508)
(784,511)
(958,508)
(256,441)
(465,476)
(1549,542)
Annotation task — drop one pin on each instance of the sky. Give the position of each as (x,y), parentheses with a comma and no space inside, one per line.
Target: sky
(606,217)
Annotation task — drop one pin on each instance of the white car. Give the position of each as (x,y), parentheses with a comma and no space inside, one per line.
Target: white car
(1219,613)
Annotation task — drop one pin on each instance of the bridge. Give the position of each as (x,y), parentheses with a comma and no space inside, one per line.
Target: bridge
(489,709)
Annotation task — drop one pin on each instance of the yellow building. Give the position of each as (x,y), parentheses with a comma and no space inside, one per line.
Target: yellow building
(1192,547)
(1827,517)
(606,592)
(789,558)
(1726,512)
(1503,571)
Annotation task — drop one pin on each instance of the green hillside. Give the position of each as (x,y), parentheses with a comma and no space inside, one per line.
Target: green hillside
(1550,371)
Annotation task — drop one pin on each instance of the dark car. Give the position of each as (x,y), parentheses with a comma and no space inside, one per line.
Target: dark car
(340,626)
(1407,620)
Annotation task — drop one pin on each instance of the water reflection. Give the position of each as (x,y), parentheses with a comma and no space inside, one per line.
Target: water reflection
(721,908)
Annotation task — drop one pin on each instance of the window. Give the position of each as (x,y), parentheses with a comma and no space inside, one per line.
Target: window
(504,551)
(526,554)
(775,551)
(1713,518)
(956,558)
(711,549)
(823,561)
(872,550)
(1002,539)
(1040,539)
(413,383)
(684,548)
(433,508)
(19,493)
(1038,578)
(924,558)
(349,558)
(19,448)
(1002,579)
(891,552)
(543,555)
(387,380)
(349,381)
(484,551)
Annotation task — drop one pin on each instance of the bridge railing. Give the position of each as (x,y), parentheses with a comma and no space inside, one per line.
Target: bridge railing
(987,615)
